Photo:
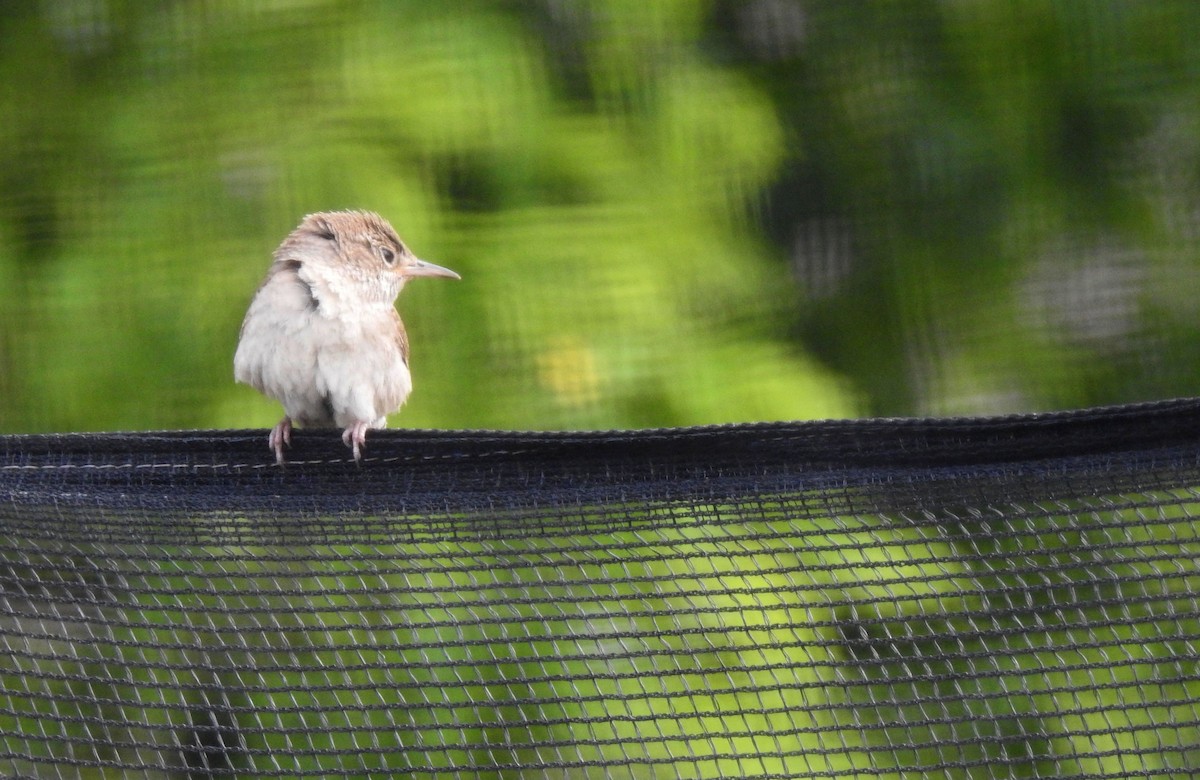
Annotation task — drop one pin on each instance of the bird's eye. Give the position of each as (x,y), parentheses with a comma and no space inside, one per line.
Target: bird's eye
(389,256)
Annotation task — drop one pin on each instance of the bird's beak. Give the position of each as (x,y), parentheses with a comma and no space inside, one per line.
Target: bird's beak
(422,268)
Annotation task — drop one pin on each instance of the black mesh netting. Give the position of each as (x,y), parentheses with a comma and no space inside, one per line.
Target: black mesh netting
(1010,597)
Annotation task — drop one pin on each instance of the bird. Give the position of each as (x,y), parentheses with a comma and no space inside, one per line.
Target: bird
(322,335)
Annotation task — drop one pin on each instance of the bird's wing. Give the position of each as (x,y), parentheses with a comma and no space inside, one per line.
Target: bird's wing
(284,286)
(400,336)
(282,300)
(395,383)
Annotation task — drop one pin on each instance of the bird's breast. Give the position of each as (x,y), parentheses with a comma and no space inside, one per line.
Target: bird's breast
(326,363)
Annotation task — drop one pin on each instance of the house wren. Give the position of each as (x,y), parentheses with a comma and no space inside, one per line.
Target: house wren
(322,335)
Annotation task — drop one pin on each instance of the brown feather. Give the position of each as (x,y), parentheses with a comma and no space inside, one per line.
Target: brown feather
(401,337)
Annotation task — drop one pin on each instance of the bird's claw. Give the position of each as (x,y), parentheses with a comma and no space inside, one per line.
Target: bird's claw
(355,437)
(281,435)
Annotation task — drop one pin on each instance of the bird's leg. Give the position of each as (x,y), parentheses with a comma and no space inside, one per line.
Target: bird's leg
(355,437)
(281,434)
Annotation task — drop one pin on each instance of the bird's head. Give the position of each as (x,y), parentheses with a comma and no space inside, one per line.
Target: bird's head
(357,254)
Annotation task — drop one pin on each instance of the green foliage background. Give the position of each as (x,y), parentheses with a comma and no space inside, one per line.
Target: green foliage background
(665,213)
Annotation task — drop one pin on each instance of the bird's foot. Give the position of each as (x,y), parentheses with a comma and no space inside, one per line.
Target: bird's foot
(355,437)
(281,435)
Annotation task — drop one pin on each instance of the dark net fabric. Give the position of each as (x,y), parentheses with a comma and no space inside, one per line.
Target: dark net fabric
(1004,597)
